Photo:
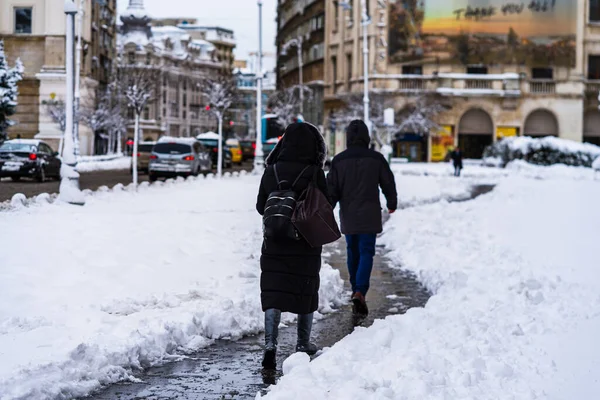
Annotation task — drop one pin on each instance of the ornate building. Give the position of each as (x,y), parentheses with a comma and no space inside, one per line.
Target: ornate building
(531,69)
(177,108)
(35,32)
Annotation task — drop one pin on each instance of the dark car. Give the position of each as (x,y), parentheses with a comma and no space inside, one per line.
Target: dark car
(178,157)
(213,145)
(248,149)
(28,158)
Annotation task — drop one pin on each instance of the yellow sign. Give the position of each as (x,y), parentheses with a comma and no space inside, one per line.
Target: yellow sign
(442,143)
(52,96)
(505,131)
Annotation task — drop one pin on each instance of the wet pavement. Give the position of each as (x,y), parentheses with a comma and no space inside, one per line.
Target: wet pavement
(232,370)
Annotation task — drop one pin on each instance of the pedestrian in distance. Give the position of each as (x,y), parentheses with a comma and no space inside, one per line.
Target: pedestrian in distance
(290,267)
(354,180)
(457,161)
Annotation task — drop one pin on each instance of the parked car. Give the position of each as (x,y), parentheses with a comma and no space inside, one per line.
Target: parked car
(143,156)
(236,150)
(28,158)
(211,141)
(248,149)
(172,157)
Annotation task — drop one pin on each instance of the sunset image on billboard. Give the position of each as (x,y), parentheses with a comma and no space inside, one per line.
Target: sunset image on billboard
(533,32)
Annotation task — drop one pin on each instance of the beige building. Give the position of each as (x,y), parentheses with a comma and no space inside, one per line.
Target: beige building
(529,90)
(34,30)
(178,107)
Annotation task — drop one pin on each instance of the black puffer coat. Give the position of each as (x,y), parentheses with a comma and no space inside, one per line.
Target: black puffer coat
(290,269)
(354,180)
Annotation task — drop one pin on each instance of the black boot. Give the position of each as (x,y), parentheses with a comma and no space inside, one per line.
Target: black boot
(272,320)
(304,329)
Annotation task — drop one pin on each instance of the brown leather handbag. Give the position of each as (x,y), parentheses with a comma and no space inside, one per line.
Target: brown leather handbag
(313,217)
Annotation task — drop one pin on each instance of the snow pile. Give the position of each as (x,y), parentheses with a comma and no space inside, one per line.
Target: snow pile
(544,151)
(103,163)
(128,281)
(514,313)
(596,164)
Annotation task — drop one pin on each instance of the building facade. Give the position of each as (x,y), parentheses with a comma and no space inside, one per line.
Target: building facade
(223,39)
(501,70)
(34,31)
(302,22)
(243,111)
(182,62)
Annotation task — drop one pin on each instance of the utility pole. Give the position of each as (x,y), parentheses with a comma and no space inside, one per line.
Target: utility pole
(365,24)
(259,155)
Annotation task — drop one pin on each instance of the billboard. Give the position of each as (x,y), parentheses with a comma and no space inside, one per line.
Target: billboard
(535,33)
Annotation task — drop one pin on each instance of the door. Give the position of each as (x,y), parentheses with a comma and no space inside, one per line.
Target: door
(475,133)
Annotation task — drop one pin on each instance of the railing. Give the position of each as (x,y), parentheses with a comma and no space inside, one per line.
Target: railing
(592,86)
(411,84)
(542,87)
(478,84)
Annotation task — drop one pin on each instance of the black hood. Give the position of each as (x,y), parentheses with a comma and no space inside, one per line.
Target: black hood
(301,142)
(357,134)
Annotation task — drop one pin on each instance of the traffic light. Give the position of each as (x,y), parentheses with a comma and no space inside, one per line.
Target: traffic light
(207,108)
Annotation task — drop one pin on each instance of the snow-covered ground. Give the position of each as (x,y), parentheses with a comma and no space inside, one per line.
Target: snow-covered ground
(128,281)
(103,163)
(516,307)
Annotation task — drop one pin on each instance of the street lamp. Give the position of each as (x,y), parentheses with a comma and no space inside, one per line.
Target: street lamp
(298,43)
(365,23)
(69,186)
(259,155)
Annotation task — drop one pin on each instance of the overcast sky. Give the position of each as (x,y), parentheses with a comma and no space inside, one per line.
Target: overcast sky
(239,15)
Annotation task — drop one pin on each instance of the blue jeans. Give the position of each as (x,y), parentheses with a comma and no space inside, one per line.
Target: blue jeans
(361,250)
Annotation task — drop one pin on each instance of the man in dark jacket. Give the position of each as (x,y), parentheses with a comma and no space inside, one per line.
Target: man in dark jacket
(354,180)
(457,160)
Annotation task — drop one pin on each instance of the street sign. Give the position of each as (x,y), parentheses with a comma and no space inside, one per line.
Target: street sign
(388,117)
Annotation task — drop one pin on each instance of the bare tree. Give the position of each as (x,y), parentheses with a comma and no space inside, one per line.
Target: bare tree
(140,89)
(286,103)
(220,93)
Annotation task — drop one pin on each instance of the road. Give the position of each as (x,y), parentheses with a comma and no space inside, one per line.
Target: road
(90,180)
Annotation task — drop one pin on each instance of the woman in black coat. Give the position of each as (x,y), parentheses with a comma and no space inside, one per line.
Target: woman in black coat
(290,268)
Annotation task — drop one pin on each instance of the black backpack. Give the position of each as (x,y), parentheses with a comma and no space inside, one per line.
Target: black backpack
(279,209)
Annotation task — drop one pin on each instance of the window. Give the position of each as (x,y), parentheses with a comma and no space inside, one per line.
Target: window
(184,114)
(477,70)
(164,112)
(147,113)
(593,67)
(412,70)
(131,57)
(336,21)
(348,70)
(184,100)
(542,73)
(23,17)
(334,73)
(164,96)
(594,10)
(148,59)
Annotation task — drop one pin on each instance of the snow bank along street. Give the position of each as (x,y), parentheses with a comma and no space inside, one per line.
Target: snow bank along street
(515,312)
(128,281)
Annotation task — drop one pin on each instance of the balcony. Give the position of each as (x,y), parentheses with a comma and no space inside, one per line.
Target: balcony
(592,87)
(542,86)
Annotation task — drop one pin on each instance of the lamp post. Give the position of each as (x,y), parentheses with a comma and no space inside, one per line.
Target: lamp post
(69,185)
(259,155)
(298,43)
(365,24)
(78,50)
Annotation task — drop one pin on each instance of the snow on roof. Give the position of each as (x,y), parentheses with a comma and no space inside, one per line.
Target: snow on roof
(478,92)
(171,139)
(168,30)
(208,135)
(33,142)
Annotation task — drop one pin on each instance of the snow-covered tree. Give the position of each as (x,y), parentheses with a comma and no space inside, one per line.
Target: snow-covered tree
(420,117)
(286,103)
(140,89)
(220,93)
(9,77)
